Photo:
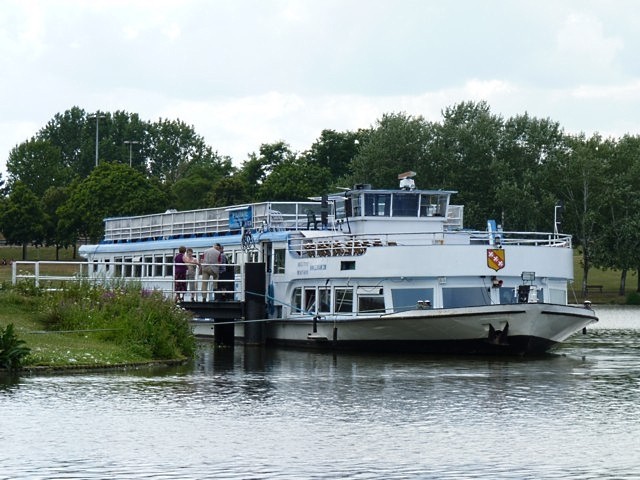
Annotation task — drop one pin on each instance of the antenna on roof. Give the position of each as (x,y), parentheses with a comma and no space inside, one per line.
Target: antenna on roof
(406,180)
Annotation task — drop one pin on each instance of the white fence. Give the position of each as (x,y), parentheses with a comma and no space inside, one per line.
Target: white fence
(53,275)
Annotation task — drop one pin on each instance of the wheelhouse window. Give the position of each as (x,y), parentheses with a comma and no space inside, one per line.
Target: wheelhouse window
(377,204)
(405,205)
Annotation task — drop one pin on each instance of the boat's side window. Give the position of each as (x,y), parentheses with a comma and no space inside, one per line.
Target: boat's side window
(95,266)
(127,267)
(343,300)
(465,297)
(370,299)
(278,260)
(148,267)
(310,300)
(157,266)
(118,266)
(324,299)
(296,301)
(168,266)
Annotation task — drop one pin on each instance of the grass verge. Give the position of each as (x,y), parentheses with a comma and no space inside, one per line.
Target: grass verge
(89,326)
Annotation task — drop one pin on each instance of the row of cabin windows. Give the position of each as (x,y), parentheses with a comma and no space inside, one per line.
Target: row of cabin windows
(150,265)
(337,300)
(312,300)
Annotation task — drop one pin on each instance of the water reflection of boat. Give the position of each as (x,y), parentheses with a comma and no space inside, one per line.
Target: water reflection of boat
(370,269)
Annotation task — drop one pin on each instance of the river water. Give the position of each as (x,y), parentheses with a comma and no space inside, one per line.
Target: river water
(286,414)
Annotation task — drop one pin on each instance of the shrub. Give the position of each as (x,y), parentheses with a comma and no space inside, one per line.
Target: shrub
(633,298)
(145,322)
(12,349)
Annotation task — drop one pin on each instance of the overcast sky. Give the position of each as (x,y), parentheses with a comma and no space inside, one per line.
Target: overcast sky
(247,72)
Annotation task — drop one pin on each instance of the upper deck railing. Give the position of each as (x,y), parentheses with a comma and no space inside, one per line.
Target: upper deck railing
(211,221)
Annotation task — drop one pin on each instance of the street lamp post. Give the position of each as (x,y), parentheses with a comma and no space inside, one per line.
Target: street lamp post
(97,117)
(130,143)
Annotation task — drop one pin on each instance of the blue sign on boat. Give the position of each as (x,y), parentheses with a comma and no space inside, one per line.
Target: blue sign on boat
(239,217)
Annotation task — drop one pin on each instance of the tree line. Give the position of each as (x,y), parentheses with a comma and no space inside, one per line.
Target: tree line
(522,171)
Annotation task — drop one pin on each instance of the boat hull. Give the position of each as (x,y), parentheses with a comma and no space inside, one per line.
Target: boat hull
(517,329)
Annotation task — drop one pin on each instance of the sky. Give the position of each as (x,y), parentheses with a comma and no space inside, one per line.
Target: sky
(248,72)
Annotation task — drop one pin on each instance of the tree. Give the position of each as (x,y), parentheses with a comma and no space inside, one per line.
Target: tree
(22,218)
(52,199)
(170,147)
(38,165)
(395,145)
(463,157)
(524,193)
(191,190)
(111,190)
(580,177)
(335,150)
(295,179)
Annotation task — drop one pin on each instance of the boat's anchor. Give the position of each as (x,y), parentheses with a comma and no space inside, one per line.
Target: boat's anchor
(499,337)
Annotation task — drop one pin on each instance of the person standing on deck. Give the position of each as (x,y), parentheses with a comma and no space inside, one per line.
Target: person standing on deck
(192,265)
(226,273)
(180,274)
(210,269)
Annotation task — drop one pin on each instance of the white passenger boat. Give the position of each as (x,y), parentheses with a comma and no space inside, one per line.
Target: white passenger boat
(370,269)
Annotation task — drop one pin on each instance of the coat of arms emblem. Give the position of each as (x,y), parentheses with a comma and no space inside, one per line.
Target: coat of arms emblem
(495,258)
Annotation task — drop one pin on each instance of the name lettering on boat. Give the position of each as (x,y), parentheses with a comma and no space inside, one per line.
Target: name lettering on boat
(303,268)
(495,258)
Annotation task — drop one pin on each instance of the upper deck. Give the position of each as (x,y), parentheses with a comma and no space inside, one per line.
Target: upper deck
(355,211)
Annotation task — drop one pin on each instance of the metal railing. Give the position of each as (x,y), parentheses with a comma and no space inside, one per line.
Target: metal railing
(53,275)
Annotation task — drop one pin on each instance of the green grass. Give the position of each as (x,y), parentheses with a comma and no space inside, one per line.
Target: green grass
(90,326)
(609,279)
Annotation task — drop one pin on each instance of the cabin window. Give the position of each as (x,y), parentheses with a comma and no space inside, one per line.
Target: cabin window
(127,267)
(343,300)
(324,299)
(465,297)
(118,266)
(95,266)
(433,205)
(407,298)
(168,266)
(348,265)
(377,204)
(405,205)
(278,260)
(157,266)
(148,267)
(296,301)
(370,299)
(106,264)
(310,300)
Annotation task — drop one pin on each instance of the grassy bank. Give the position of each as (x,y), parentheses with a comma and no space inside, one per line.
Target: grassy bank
(88,326)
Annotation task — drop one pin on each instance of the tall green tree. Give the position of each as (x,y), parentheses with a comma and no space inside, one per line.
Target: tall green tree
(22,218)
(37,164)
(111,190)
(463,157)
(396,144)
(295,180)
(580,177)
(524,194)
